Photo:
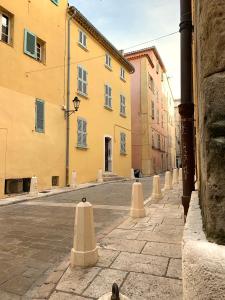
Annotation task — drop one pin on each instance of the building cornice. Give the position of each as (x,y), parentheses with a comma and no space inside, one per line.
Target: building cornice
(82,21)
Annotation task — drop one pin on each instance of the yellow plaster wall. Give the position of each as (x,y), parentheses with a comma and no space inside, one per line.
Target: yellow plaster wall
(100,121)
(26,152)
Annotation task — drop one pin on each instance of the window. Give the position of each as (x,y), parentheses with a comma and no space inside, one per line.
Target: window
(122,105)
(82,81)
(157,116)
(153,140)
(122,143)
(108,96)
(82,39)
(162,76)
(158,141)
(122,73)
(157,68)
(55,1)
(108,61)
(81,133)
(55,180)
(33,46)
(153,110)
(4,28)
(151,83)
(39,115)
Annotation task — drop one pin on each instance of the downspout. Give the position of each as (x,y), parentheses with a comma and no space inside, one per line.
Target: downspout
(186,108)
(68,97)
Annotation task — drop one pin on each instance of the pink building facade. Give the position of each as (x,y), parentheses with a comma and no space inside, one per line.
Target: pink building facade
(152,117)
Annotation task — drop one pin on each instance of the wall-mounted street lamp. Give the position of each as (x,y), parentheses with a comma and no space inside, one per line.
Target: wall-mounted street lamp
(76,104)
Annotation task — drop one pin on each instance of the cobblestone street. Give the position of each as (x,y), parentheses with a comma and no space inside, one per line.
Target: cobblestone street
(36,235)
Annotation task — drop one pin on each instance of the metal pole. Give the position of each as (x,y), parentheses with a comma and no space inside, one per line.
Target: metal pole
(186,108)
(68,103)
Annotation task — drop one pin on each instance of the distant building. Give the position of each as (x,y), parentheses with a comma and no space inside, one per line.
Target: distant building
(177,132)
(152,113)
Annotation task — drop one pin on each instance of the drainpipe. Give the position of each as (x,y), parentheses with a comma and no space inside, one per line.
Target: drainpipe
(186,108)
(68,97)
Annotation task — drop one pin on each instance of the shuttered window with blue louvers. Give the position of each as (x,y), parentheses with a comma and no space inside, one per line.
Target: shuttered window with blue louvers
(108,96)
(39,115)
(82,81)
(81,133)
(30,42)
(122,143)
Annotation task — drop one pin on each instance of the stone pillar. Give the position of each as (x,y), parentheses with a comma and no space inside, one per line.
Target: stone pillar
(168,181)
(84,252)
(100,177)
(33,187)
(175,176)
(73,183)
(156,190)
(132,174)
(137,201)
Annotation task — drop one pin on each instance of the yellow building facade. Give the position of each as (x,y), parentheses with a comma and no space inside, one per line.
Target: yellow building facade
(33,92)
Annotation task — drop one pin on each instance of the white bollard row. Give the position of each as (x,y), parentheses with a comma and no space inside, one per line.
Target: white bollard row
(100,176)
(84,252)
(175,176)
(33,187)
(156,190)
(137,201)
(73,183)
(168,181)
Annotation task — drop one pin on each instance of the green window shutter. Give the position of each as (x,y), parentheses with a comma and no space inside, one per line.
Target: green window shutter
(55,1)
(30,41)
(39,115)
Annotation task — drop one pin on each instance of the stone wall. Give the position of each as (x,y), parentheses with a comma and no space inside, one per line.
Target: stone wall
(209,80)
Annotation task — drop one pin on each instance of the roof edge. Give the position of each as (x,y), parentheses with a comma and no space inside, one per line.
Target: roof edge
(90,28)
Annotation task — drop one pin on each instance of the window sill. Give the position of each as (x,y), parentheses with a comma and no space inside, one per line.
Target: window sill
(108,67)
(82,94)
(108,107)
(82,47)
(10,44)
(123,153)
(123,115)
(35,59)
(123,79)
(79,147)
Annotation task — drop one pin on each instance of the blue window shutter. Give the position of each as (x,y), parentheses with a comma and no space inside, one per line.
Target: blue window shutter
(30,41)
(39,115)
(55,1)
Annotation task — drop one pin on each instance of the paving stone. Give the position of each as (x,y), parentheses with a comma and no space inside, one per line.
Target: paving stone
(42,292)
(123,234)
(103,282)
(17,285)
(145,226)
(170,229)
(172,221)
(64,296)
(122,245)
(144,287)
(162,249)
(8,296)
(54,277)
(175,268)
(163,237)
(127,224)
(106,257)
(143,263)
(77,279)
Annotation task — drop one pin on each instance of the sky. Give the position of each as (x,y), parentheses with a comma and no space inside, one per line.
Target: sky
(126,23)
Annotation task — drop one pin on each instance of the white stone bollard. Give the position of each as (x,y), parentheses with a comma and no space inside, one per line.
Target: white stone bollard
(73,183)
(100,177)
(175,176)
(137,201)
(132,174)
(168,181)
(33,187)
(156,190)
(84,252)
(180,175)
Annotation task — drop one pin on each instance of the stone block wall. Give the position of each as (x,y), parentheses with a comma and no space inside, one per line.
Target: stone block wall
(209,41)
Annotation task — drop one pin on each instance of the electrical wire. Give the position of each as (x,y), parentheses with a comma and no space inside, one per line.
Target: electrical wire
(96,57)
